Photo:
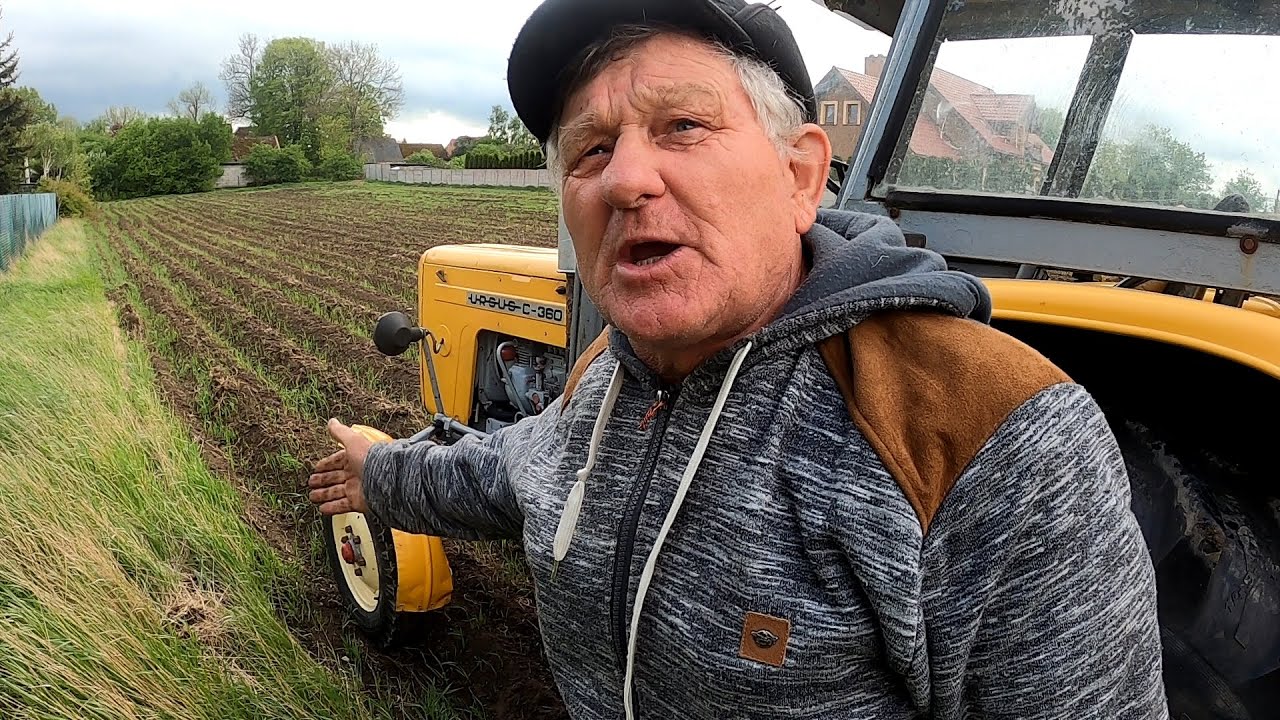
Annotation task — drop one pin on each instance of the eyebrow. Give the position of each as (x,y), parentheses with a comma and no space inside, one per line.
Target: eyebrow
(702,97)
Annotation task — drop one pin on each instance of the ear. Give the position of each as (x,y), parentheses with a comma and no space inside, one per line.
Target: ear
(810,168)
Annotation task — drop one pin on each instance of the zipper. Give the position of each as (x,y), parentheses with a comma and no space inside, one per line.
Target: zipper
(659,411)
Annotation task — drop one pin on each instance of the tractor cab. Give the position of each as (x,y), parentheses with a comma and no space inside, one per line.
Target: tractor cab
(1110,171)
(1066,153)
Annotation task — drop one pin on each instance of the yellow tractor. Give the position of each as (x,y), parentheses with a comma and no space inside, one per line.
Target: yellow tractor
(1165,312)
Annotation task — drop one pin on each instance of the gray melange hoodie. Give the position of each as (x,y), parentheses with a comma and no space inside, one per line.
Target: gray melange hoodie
(1031,595)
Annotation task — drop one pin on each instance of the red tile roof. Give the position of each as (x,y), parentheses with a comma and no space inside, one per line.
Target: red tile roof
(407,149)
(864,84)
(927,141)
(978,105)
(241,144)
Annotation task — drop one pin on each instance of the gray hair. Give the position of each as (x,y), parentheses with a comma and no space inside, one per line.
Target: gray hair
(776,110)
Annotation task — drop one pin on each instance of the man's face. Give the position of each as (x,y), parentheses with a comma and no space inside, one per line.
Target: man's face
(685,219)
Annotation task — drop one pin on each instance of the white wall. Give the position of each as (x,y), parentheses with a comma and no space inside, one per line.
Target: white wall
(419,175)
(232,176)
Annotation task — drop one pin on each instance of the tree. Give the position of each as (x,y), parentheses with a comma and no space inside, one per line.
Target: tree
(500,125)
(518,136)
(158,156)
(237,76)
(41,111)
(1151,167)
(215,131)
(194,102)
(115,119)
(289,91)
(367,91)
(1248,187)
(1048,124)
(54,145)
(15,116)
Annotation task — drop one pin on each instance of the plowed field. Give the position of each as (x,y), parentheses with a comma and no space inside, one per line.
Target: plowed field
(257,307)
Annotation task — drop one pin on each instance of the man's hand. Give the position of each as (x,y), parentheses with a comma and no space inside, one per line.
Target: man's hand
(337,481)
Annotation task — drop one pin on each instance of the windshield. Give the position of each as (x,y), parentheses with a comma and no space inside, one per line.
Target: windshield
(1094,110)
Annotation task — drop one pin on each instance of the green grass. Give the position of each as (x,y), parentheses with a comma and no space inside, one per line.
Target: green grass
(130,588)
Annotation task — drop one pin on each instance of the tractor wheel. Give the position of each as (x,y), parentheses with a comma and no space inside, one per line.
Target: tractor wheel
(362,558)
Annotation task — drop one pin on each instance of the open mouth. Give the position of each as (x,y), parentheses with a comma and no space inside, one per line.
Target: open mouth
(650,252)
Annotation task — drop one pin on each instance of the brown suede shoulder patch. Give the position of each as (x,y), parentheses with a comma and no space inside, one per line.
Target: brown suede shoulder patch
(588,356)
(928,390)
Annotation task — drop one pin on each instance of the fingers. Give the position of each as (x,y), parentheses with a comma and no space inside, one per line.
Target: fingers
(340,432)
(324,495)
(336,461)
(342,505)
(325,479)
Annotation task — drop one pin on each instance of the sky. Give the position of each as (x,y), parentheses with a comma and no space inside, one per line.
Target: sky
(85,55)
(1222,95)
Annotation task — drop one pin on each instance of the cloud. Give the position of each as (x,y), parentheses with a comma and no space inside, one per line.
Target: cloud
(85,56)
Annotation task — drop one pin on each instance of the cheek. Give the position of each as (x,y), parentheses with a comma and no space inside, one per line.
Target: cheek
(585,217)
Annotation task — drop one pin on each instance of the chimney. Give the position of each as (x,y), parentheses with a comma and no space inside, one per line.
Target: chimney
(874,65)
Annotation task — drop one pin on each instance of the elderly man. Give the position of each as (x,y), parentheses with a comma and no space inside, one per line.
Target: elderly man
(800,476)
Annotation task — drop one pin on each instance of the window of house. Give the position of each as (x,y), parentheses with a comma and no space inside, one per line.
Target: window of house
(829,113)
(852,113)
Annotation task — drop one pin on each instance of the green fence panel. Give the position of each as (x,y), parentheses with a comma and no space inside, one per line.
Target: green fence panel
(22,219)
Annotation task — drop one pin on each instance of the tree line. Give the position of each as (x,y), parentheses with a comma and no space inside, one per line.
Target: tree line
(1149,165)
(321,101)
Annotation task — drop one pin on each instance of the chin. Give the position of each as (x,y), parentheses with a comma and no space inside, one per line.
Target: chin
(659,323)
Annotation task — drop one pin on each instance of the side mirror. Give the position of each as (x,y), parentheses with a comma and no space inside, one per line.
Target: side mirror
(394,333)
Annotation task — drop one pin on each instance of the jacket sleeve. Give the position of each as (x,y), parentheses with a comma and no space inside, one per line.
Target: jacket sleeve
(465,490)
(1039,592)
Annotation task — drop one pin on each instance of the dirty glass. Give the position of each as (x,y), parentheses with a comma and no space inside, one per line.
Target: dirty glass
(1178,106)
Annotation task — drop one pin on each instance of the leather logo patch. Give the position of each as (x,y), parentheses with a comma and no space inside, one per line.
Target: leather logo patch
(764,639)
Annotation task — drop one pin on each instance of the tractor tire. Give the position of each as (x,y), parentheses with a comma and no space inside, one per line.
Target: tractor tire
(368,592)
(1213,538)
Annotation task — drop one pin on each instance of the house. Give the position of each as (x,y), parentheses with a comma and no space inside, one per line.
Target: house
(243,140)
(379,150)
(408,148)
(959,121)
(462,140)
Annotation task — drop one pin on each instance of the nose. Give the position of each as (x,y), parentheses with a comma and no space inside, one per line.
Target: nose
(632,175)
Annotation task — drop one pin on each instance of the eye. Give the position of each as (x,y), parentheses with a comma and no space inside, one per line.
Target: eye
(685,125)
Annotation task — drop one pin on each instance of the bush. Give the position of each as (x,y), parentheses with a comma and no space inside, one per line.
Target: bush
(457,162)
(426,157)
(159,156)
(492,157)
(266,165)
(73,200)
(338,165)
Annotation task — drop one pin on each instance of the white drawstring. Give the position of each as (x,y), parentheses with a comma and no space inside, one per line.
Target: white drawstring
(573,504)
(690,470)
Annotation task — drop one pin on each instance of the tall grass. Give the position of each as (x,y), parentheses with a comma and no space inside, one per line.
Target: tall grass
(129,586)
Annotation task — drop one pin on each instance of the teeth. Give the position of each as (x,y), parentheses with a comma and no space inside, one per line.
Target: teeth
(649,261)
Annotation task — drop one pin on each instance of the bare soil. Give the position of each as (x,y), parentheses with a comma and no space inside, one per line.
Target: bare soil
(255,374)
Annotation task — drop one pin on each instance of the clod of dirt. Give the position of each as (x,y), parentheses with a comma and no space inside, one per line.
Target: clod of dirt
(195,614)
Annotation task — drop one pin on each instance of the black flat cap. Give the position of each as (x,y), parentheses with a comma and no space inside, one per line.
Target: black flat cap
(559,30)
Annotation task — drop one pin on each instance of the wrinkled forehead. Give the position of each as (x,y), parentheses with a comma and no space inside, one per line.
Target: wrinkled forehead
(656,70)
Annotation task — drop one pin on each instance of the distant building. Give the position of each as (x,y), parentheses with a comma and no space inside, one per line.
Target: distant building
(959,120)
(462,140)
(379,150)
(243,140)
(408,148)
